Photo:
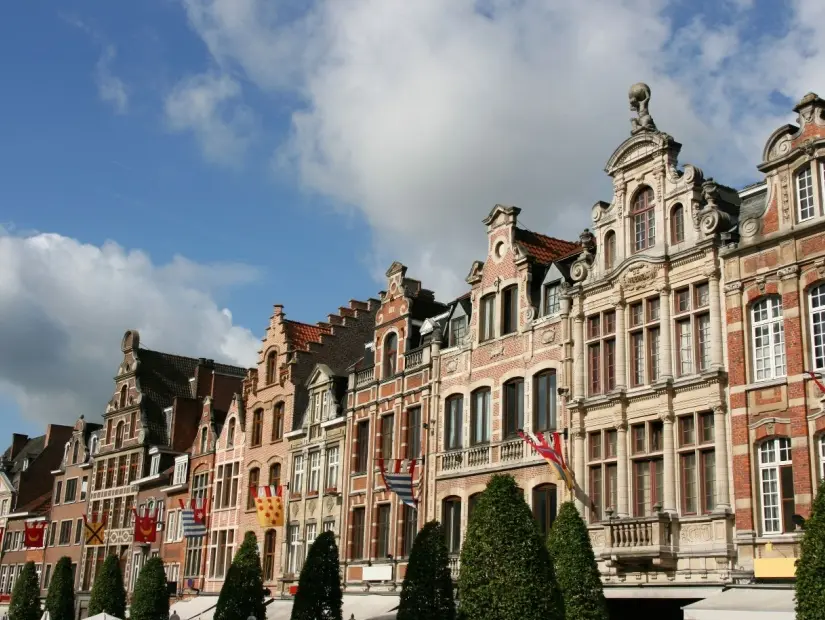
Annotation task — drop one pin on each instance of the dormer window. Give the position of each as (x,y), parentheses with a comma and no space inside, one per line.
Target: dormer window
(390,354)
(75,452)
(230,434)
(25,464)
(644,220)
(119,431)
(93,445)
(181,466)
(124,390)
(805,194)
(551,298)
(487,318)
(677,224)
(609,250)
(271,366)
(154,465)
(509,310)
(458,331)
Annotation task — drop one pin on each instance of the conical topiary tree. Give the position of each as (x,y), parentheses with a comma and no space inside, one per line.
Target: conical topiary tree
(576,571)
(25,597)
(506,572)
(242,594)
(427,591)
(810,568)
(151,599)
(108,594)
(60,598)
(319,595)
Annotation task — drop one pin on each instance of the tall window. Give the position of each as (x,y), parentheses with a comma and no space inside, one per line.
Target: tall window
(314,471)
(357,536)
(409,528)
(271,366)
(776,480)
(544,401)
(805,194)
(120,429)
(221,552)
(311,533)
(458,330)
(451,518)
(551,298)
(257,427)
(513,407)
(332,468)
(648,469)
(124,390)
(644,220)
(75,452)
(601,352)
(194,557)
(226,489)
(270,544)
(544,507)
(382,545)
(509,310)
(697,463)
(254,482)
(204,439)
(644,341)
(487,318)
(387,435)
(295,558)
(275,475)
(603,472)
(453,424)
(278,422)
(769,338)
(677,224)
(390,354)
(413,432)
(816,299)
(200,485)
(609,250)
(230,434)
(692,328)
(297,485)
(821,443)
(480,416)
(362,446)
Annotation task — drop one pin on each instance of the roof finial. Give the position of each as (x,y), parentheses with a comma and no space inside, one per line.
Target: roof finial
(639,96)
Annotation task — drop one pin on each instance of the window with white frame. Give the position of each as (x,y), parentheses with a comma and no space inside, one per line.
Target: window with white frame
(181,467)
(551,298)
(312,531)
(776,485)
(154,466)
(295,556)
(171,525)
(297,474)
(314,471)
(816,300)
(194,554)
(805,194)
(821,444)
(220,554)
(200,485)
(332,468)
(769,338)
(690,309)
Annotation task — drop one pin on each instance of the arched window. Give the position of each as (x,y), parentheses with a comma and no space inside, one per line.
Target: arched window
(271,366)
(677,224)
(390,354)
(480,416)
(75,452)
(472,502)
(66,453)
(544,401)
(270,544)
(124,390)
(204,440)
(150,507)
(230,434)
(609,250)
(257,427)
(93,445)
(816,301)
(254,481)
(544,507)
(119,431)
(776,477)
(769,338)
(275,475)
(278,421)
(644,220)
(451,518)
(513,407)
(805,194)
(453,407)
(821,444)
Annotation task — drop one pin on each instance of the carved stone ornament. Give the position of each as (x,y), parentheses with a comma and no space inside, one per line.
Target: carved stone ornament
(695,533)
(667,416)
(451,366)
(548,336)
(497,351)
(719,409)
(760,284)
(786,211)
(750,227)
(693,175)
(638,276)
(639,97)
(530,314)
(809,147)
(820,266)
(789,272)
(781,148)
(295,508)
(770,427)
(312,506)
(330,503)
(733,287)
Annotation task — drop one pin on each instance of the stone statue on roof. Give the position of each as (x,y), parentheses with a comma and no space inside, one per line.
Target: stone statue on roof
(639,96)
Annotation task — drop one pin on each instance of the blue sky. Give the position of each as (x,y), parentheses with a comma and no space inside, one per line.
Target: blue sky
(164,160)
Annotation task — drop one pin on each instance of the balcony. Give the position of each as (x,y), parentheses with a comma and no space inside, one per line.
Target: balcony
(640,540)
(364,377)
(485,456)
(414,359)
(454,562)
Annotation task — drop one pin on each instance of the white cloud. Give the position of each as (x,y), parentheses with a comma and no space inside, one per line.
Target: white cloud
(110,88)
(65,307)
(209,105)
(422,115)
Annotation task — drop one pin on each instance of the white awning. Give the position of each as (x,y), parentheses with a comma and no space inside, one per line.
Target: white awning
(193,608)
(753,603)
(362,606)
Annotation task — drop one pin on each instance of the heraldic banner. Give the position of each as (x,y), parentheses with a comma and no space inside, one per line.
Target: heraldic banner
(146,527)
(35,534)
(269,504)
(95,529)
(194,518)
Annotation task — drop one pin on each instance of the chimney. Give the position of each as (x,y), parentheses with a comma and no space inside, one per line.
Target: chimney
(18,442)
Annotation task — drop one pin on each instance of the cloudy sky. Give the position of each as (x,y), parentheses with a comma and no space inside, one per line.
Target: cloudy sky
(178,166)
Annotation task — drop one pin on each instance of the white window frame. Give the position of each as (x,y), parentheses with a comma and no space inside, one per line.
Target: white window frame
(171,525)
(297,474)
(295,557)
(332,468)
(805,194)
(181,469)
(772,454)
(154,465)
(311,534)
(816,314)
(769,360)
(821,443)
(314,472)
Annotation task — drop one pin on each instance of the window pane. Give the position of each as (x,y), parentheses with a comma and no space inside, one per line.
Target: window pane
(689,483)
(805,193)
(709,479)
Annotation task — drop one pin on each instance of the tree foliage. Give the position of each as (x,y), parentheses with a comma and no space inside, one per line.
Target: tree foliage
(810,568)
(108,594)
(506,572)
(25,597)
(242,594)
(577,573)
(319,595)
(60,597)
(151,598)
(427,591)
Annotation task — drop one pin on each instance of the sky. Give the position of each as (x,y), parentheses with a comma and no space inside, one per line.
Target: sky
(179,166)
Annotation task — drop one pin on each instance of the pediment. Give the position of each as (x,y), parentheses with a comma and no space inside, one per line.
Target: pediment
(320,374)
(639,148)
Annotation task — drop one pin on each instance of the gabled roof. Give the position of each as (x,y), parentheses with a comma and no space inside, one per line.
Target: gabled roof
(542,248)
(39,504)
(301,334)
(33,447)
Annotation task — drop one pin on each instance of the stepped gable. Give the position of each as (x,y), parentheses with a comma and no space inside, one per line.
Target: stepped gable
(302,334)
(544,249)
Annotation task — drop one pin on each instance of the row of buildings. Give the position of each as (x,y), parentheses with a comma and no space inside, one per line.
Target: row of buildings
(670,345)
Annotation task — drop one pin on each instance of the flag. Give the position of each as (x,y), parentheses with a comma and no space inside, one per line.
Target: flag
(817,379)
(35,534)
(2,531)
(400,479)
(270,505)
(146,527)
(552,454)
(95,529)
(194,518)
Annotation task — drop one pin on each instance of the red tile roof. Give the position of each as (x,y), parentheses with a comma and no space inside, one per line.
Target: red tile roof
(301,334)
(542,248)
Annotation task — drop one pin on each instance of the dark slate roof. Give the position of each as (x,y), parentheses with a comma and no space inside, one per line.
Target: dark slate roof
(38,504)
(755,204)
(33,447)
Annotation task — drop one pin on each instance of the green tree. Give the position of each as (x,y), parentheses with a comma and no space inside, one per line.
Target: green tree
(319,595)
(242,594)
(25,598)
(151,599)
(810,568)
(506,572)
(60,598)
(427,591)
(108,594)
(576,571)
